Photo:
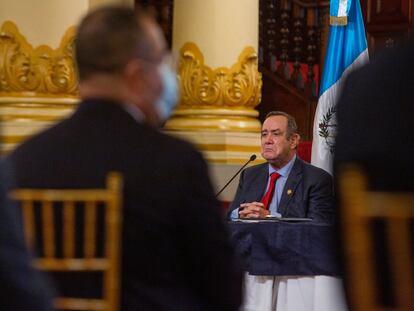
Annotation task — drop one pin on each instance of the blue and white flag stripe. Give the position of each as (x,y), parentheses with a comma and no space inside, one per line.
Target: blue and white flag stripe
(346,50)
(340,8)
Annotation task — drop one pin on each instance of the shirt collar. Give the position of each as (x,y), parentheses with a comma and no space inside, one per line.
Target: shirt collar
(285,170)
(135,112)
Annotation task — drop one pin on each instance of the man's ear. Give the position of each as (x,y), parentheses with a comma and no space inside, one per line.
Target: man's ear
(294,140)
(134,85)
(133,72)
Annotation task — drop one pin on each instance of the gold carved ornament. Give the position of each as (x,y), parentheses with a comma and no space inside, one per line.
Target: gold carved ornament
(202,87)
(40,71)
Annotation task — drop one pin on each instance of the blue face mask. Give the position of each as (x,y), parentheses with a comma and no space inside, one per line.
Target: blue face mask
(168,99)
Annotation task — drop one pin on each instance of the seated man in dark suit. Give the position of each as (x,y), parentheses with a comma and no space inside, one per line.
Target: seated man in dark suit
(285,185)
(176,251)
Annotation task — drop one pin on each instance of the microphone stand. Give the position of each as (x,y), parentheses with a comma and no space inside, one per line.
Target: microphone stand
(252,158)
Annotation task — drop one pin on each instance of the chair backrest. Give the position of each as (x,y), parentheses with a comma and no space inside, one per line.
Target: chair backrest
(378,242)
(49,206)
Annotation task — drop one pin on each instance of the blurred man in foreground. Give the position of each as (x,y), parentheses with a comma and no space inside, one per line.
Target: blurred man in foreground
(376,132)
(176,252)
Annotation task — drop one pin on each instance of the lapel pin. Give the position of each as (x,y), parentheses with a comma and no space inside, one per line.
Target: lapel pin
(289,192)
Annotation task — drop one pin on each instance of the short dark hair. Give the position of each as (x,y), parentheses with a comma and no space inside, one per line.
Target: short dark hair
(107,39)
(292,127)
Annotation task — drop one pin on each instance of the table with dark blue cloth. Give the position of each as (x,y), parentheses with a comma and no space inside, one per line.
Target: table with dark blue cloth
(283,248)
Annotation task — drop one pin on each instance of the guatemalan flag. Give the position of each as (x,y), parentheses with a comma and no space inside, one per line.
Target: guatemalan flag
(347,49)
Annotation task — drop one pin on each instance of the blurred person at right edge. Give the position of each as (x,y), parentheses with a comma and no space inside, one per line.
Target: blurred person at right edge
(376,131)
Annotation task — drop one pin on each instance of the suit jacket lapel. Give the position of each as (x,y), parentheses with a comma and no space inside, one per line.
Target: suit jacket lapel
(260,185)
(292,182)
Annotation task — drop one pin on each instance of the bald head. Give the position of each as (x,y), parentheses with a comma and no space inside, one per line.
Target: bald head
(119,55)
(108,38)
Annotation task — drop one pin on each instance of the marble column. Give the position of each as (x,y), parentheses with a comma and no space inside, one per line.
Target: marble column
(217,45)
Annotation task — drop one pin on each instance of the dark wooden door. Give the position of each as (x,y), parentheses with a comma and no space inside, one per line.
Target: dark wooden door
(387,22)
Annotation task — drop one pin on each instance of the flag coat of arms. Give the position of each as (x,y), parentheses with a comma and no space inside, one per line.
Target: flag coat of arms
(346,50)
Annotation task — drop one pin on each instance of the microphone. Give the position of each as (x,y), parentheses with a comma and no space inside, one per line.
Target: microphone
(252,158)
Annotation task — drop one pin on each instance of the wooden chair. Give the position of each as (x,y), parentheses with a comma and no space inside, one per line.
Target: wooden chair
(360,210)
(68,200)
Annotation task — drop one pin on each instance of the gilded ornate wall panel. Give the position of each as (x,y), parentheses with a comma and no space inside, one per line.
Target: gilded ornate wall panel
(40,71)
(38,85)
(220,98)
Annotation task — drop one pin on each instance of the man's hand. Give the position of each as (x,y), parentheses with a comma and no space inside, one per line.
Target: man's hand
(253,210)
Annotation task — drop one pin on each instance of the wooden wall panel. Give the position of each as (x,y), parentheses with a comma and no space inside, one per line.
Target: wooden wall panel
(388,22)
(280,95)
(386,11)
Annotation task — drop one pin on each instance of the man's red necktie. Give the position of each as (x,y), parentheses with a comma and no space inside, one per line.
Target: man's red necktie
(267,198)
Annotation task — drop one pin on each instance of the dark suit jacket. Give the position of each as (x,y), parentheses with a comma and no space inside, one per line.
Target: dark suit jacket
(311,197)
(23,288)
(176,252)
